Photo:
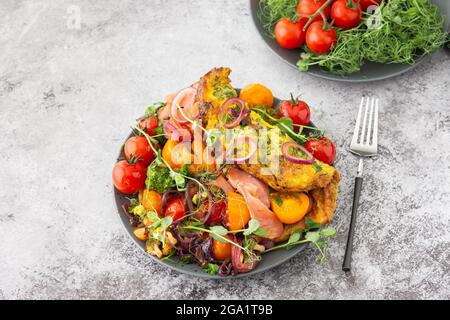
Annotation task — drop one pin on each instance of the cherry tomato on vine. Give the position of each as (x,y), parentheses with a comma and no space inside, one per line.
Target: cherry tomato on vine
(346,14)
(322,149)
(175,209)
(129,178)
(308,7)
(149,124)
(367,3)
(297,110)
(139,149)
(320,38)
(289,35)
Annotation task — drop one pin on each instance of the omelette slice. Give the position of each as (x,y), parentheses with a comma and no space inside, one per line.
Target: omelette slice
(213,90)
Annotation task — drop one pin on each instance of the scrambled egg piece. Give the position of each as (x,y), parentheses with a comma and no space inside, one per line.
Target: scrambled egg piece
(213,90)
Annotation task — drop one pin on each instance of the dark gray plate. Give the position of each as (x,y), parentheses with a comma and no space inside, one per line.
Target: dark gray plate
(369,72)
(269,261)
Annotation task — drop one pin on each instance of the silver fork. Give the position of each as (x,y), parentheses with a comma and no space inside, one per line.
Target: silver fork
(364,144)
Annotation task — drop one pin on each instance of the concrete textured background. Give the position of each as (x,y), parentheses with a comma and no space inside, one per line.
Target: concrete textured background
(67,100)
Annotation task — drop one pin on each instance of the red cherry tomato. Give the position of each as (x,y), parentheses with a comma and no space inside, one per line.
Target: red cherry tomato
(149,124)
(289,35)
(320,39)
(217,212)
(367,3)
(322,149)
(139,149)
(346,14)
(308,7)
(175,209)
(129,178)
(297,110)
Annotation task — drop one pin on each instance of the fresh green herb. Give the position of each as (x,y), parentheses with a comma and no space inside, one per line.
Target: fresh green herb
(273,10)
(317,167)
(253,225)
(310,224)
(285,125)
(153,109)
(159,178)
(224,91)
(211,268)
(178,179)
(318,238)
(259,232)
(278,200)
(218,233)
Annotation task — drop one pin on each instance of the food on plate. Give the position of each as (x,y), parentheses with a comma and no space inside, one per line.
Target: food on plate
(225,176)
(289,35)
(320,37)
(341,35)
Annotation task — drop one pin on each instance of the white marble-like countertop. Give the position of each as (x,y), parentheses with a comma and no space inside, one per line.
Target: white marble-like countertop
(68,96)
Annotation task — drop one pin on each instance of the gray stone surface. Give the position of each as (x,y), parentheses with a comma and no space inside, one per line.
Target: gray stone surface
(68,98)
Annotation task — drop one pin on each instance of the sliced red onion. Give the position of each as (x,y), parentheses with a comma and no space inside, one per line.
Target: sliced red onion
(225,108)
(285,150)
(177,101)
(242,264)
(173,132)
(239,142)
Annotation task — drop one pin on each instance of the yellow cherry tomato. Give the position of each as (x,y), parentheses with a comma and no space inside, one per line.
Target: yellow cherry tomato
(221,251)
(290,208)
(257,95)
(151,200)
(177,154)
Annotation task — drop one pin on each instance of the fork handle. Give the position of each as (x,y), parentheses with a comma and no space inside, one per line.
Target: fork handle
(346,266)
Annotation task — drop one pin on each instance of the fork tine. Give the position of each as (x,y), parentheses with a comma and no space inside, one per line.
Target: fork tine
(363,132)
(375,126)
(358,123)
(369,129)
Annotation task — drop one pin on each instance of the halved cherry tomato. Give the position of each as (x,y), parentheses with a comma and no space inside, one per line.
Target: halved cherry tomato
(289,35)
(290,208)
(221,251)
(307,8)
(367,3)
(149,124)
(297,110)
(141,233)
(177,154)
(320,37)
(346,14)
(151,200)
(175,209)
(237,215)
(256,94)
(129,178)
(138,148)
(322,149)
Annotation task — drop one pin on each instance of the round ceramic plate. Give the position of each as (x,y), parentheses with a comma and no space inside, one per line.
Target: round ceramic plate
(369,72)
(269,260)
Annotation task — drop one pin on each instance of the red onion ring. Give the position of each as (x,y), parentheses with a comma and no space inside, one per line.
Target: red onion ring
(172,132)
(185,93)
(239,141)
(285,150)
(224,110)
(240,264)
